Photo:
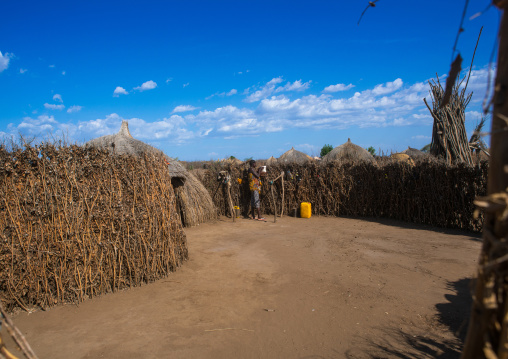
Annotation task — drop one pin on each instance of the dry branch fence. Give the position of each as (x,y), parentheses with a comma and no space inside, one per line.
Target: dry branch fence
(77,222)
(429,193)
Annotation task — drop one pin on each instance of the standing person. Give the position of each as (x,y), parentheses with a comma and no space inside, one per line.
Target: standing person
(255,187)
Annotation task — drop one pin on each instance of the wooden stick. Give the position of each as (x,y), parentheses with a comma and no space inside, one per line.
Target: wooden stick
(282,209)
(231,208)
(274,205)
(17,336)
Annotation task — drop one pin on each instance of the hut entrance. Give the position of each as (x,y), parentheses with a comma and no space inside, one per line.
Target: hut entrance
(177,182)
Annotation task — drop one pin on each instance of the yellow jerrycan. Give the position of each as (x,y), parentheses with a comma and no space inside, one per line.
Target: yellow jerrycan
(305,210)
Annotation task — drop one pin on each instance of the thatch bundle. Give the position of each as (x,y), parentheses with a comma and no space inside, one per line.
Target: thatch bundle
(348,152)
(77,222)
(429,192)
(294,156)
(193,201)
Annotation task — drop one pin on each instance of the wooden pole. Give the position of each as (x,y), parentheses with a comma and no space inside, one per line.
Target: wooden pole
(231,207)
(488,326)
(274,205)
(282,210)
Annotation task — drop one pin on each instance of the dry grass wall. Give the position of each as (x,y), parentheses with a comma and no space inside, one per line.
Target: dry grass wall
(430,192)
(76,223)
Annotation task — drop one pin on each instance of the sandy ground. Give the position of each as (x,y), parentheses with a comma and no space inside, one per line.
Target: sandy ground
(298,288)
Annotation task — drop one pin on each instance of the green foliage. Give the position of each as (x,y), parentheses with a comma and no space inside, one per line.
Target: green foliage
(372,150)
(426,148)
(232,157)
(247,159)
(325,150)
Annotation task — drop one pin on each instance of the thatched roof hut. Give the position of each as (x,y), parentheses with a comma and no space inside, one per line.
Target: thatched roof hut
(294,156)
(271,161)
(403,157)
(348,152)
(193,201)
(414,153)
(232,161)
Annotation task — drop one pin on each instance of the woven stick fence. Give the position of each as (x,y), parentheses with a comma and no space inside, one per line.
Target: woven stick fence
(430,192)
(76,223)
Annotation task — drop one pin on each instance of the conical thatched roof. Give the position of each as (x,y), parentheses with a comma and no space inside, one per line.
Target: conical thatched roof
(294,156)
(348,152)
(271,161)
(124,143)
(414,153)
(194,203)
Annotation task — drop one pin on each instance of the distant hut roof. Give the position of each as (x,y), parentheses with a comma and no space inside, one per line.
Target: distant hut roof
(271,161)
(234,161)
(294,156)
(194,203)
(123,143)
(414,153)
(348,152)
(402,157)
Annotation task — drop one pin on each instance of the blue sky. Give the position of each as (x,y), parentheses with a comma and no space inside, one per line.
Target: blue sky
(209,79)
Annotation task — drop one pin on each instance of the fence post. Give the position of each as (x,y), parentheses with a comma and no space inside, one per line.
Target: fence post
(487,335)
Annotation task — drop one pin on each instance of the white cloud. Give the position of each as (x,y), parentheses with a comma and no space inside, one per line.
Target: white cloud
(51,66)
(22,71)
(172,128)
(119,91)
(383,105)
(100,127)
(57,97)
(51,106)
(424,118)
(478,83)
(31,126)
(387,88)
(421,137)
(388,104)
(338,88)
(295,86)
(222,94)
(401,122)
(4,60)
(265,91)
(149,85)
(184,108)
(185,85)
(169,80)
(74,108)
(272,87)
(63,73)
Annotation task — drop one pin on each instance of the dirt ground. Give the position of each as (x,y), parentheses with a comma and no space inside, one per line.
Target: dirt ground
(299,288)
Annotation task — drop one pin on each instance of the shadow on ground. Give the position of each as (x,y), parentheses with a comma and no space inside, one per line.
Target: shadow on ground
(431,340)
(474,236)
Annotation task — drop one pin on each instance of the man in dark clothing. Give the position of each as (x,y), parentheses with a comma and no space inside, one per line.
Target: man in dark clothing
(255,187)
